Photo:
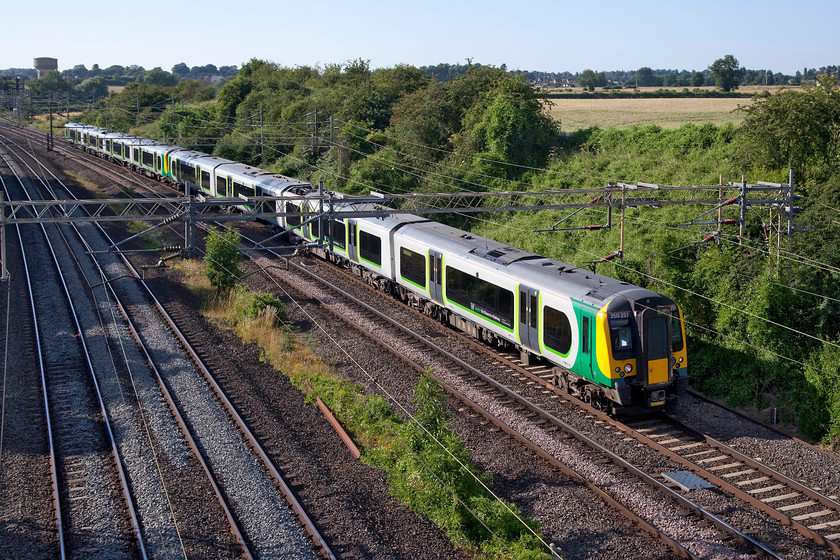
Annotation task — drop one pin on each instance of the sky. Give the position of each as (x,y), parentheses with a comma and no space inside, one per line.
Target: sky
(541,35)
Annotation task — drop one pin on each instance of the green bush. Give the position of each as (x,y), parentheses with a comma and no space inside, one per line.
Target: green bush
(222,258)
(430,470)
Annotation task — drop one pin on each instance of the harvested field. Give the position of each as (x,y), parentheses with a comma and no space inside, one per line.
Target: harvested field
(575,114)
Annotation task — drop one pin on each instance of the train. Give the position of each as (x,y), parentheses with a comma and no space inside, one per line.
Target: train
(619,347)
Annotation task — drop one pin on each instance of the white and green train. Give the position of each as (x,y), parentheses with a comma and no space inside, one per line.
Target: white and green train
(618,346)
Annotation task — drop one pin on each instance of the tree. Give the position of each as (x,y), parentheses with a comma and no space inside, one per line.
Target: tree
(796,128)
(507,124)
(158,77)
(727,72)
(588,79)
(95,88)
(645,77)
(51,84)
(697,79)
(222,258)
(181,70)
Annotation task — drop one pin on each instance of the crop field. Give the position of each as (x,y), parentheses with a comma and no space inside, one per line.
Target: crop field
(575,114)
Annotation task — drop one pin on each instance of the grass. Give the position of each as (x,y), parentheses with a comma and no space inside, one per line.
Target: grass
(406,451)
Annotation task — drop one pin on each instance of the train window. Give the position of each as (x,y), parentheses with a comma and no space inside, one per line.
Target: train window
(557,331)
(585,335)
(621,337)
(523,310)
(147,158)
(480,296)
(315,229)
(413,267)
(221,186)
(135,155)
(676,334)
(107,145)
(370,248)
(187,173)
(656,337)
(338,234)
(292,221)
(205,180)
(242,189)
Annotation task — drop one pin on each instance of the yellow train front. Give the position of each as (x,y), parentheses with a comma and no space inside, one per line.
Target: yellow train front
(640,351)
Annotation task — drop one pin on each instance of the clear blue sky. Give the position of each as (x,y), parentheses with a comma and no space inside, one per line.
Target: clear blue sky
(527,35)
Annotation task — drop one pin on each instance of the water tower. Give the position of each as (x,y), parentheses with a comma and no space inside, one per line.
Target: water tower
(44,64)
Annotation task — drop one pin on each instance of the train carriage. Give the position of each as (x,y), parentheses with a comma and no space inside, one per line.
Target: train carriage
(616,345)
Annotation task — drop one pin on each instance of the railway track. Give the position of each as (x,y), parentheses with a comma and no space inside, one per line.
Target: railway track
(810,512)
(78,424)
(238,483)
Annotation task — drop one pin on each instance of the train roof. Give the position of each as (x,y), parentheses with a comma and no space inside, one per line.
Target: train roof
(201,159)
(260,177)
(530,268)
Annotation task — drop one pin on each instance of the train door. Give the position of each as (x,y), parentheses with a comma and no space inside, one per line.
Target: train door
(529,334)
(436,275)
(656,347)
(352,252)
(586,327)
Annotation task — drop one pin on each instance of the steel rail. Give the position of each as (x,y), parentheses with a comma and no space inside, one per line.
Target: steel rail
(699,470)
(42,368)
(308,525)
(185,430)
(123,479)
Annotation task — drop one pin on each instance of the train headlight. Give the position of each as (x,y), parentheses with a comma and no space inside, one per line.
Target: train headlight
(628,368)
(681,359)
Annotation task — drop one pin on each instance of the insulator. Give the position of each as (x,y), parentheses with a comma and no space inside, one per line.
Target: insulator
(170,219)
(731,200)
(731,222)
(592,228)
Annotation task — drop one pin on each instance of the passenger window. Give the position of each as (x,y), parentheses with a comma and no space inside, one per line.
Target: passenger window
(413,267)
(557,331)
(370,248)
(337,234)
